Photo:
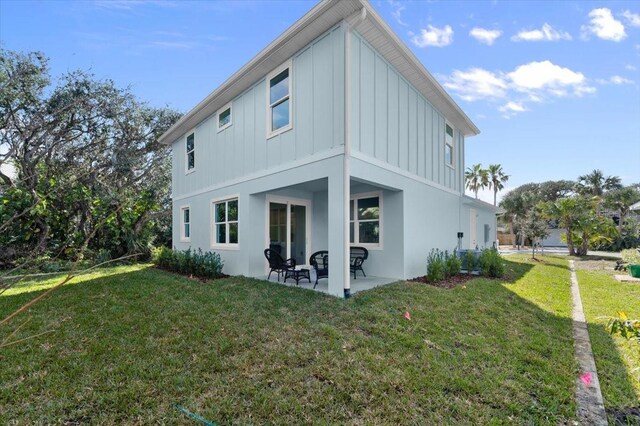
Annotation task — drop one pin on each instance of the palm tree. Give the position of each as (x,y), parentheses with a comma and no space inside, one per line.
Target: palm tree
(477,178)
(621,200)
(496,179)
(596,184)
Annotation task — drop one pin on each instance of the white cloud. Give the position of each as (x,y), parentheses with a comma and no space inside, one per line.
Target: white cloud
(604,26)
(527,84)
(433,36)
(512,107)
(485,36)
(546,33)
(398,8)
(631,67)
(633,19)
(476,83)
(545,76)
(615,79)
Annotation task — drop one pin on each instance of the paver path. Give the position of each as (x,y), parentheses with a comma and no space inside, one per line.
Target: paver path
(590,404)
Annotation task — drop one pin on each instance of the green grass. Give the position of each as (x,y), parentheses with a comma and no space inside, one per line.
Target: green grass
(130,342)
(617,359)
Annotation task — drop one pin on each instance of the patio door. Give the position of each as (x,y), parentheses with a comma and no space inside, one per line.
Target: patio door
(289,225)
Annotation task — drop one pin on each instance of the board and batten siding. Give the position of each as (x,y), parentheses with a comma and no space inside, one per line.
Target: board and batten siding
(392,121)
(243,148)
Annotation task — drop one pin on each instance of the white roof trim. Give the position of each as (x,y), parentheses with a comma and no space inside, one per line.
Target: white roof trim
(314,23)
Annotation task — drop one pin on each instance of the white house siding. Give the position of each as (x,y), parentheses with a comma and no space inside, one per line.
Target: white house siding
(243,148)
(392,122)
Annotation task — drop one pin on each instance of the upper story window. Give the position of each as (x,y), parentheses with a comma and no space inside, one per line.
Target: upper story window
(279,100)
(365,219)
(225,223)
(185,229)
(224,117)
(448,145)
(191,152)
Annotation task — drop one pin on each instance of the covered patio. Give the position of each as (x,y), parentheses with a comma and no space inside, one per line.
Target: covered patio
(361,283)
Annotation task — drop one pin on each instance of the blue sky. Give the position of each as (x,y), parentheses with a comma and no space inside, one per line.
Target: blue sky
(553,86)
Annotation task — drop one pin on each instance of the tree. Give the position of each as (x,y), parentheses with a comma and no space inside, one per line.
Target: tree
(552,190)
(568,212)
(516,204)
(595,184)
(89,170)
(534,227)
(497,178)
(477,178)
(621,200)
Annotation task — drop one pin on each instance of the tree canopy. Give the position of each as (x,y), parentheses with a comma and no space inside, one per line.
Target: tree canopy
(89,171)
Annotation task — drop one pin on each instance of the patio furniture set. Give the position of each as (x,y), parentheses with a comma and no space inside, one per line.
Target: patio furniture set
(318,260)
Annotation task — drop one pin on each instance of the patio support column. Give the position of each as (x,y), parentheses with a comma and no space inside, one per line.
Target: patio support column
(338,256)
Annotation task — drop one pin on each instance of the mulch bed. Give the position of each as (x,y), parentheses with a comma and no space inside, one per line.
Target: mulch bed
(450,282)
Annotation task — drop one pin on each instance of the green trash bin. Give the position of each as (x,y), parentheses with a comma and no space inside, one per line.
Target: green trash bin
(634,271)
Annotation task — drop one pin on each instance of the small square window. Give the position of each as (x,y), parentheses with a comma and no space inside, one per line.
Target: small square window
(224,117)
(225,223)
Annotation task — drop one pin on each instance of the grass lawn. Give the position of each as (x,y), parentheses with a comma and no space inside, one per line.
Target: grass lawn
(130,342)
(617,359)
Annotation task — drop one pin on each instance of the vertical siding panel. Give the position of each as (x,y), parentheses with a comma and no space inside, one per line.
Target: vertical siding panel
(322,95)
(303,101)
(412,155)
(421,138)
(441,150)
(381,109)
(260,129)
(392,127)
(367,90)
(429,141)
(247,124)
(338,87)
(355,91)
(403,123)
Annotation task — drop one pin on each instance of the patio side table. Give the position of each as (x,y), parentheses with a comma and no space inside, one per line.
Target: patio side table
(297,274)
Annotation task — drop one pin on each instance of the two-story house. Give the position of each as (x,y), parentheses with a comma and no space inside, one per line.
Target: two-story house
(334,135)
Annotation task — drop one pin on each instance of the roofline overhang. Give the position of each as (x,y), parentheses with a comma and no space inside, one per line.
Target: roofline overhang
(474,201)
(203,109)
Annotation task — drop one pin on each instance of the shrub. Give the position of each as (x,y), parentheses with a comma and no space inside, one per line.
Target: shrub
(470,261)
(201,264)
(452,264)
(435,266)
(491,264)
(631,256)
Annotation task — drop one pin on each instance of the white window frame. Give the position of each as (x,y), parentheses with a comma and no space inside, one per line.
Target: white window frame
(452,145)
(356,231)
(187,170)
(212,220)
(183,237)
(220,111)
(270,132)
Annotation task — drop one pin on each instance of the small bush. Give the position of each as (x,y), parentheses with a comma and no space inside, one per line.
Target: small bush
(470,261)
(201,264)
(631,256)
(452,264)
(491,264)
(435,266)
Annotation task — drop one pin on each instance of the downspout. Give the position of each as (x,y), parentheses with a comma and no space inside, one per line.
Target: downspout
(347,25)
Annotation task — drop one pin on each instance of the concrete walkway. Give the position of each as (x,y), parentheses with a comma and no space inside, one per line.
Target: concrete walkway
(590,404)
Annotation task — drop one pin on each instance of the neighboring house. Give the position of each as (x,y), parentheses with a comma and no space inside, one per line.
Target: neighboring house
(334,135)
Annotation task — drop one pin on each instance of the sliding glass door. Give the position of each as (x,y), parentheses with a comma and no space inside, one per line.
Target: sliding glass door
(288,229)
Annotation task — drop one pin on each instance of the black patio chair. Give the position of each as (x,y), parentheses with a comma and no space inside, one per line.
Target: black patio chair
(320,262)
(277,263)
(357,257)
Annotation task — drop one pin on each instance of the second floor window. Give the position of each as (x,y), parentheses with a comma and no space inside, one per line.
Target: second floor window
(279,100)
(224,117)
(448,145)
(191,152)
